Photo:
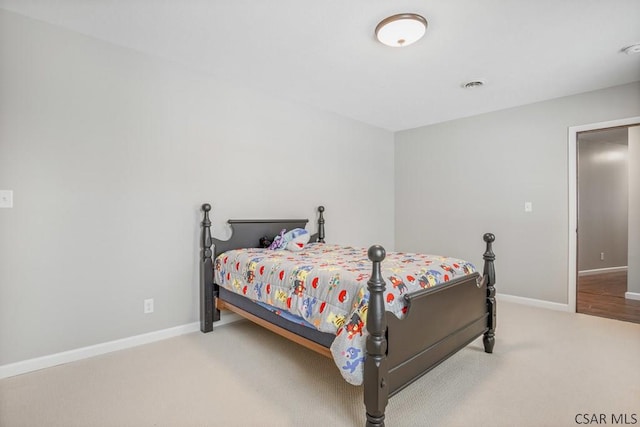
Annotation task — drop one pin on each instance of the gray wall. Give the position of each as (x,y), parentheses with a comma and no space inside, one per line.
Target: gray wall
(459,179)
(633,275)
(110,154)
(603,193)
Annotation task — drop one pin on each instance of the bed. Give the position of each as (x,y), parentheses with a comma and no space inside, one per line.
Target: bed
(430,322)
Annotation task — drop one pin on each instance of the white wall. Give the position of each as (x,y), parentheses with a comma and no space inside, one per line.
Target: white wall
(459,179)
(110,154)
(633,274)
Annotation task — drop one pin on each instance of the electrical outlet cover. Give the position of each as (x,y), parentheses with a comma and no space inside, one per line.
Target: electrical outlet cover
(148,306)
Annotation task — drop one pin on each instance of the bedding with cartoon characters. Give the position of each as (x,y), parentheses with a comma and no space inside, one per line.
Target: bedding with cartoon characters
(324,286)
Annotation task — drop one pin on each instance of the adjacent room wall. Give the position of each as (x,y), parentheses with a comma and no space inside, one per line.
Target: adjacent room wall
(633,274)
(459,179)
(110,154)
(603,194)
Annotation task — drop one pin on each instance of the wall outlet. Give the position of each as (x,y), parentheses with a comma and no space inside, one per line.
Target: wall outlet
(148,306)
(528,207)
(601,256)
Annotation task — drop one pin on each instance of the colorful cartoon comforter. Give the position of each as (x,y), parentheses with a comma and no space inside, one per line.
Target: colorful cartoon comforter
(325,286)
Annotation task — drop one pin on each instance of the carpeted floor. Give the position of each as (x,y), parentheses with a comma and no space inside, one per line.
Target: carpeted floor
(547,368)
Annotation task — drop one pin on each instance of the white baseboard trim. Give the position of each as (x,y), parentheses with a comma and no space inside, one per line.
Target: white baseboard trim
(30,365)
(533,302)
(632,295)
(602,270)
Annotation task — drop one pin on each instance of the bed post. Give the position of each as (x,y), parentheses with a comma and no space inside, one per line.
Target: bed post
(321,225)
(489,275)
(376,389)
(208,313)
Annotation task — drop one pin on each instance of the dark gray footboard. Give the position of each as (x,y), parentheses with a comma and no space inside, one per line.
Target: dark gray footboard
(439,322)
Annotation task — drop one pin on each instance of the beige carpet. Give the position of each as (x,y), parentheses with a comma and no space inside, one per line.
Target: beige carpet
(547,367)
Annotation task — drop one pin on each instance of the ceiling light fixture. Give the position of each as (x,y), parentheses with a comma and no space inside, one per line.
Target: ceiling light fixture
(473,84)
(401,30)
(630,50)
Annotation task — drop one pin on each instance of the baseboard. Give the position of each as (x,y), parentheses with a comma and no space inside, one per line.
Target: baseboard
(632,295)
(602,270)
(30,365)
(533,302)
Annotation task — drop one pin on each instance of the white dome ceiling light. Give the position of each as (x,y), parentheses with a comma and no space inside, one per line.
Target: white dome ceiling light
(474,84)
(633,49)
(401,30)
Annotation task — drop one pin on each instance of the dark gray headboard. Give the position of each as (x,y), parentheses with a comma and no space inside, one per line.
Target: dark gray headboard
(246,233)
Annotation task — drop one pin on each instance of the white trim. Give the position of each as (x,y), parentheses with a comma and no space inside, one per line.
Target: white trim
(572,144)
(632,295)
(51,360)
(533,302)
(602,270)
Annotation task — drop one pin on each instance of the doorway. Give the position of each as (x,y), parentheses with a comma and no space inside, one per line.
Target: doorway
(603,200)
(603,275)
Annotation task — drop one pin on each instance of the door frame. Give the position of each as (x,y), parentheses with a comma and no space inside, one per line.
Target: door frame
(573,197)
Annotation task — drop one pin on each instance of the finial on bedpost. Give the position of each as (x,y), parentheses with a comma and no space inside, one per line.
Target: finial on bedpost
(321,224)
(206,232)
(207,299)
(489,277)
(376,393)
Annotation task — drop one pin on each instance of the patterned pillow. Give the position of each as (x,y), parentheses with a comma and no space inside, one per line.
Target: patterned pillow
(299,240)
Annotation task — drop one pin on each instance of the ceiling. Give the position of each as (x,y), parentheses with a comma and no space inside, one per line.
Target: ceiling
(324,54)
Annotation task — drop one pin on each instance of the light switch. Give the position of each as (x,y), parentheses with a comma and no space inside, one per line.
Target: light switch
(6,198)
(528,207)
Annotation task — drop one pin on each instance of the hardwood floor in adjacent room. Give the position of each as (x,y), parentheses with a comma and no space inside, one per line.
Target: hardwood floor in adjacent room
(603,295)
